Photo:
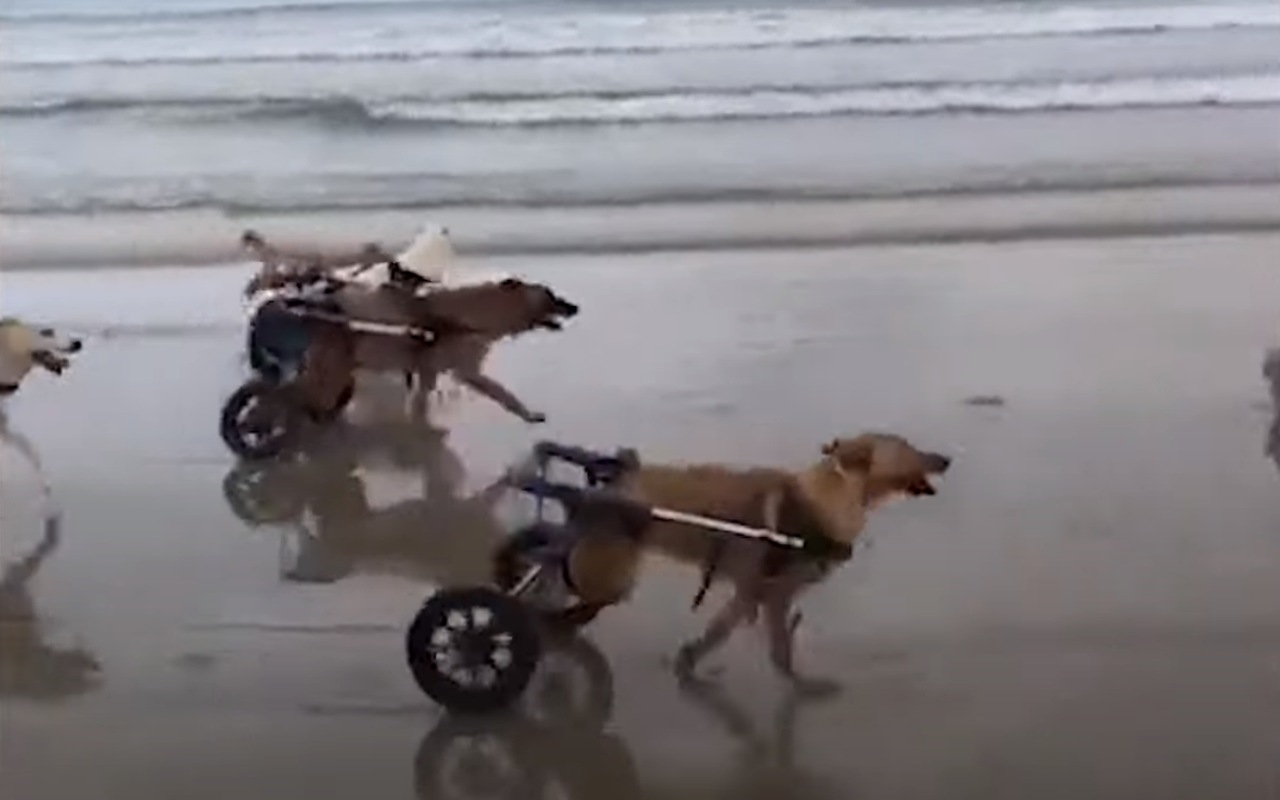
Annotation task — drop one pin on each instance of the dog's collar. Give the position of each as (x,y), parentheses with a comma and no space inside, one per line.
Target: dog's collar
(798,519)
(826,549)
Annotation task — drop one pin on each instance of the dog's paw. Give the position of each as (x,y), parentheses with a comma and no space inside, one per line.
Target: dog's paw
(815,688)
(685,663)
(53,528)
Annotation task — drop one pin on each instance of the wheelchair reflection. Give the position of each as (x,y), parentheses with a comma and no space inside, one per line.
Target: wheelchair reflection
(555,743)
(320,500)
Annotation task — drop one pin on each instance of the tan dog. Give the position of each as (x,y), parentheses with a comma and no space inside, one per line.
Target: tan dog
(826,505)
(23,347)
(468,320)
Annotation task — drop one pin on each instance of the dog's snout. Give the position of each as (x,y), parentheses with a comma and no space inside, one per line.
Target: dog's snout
(74,346)
(939,463)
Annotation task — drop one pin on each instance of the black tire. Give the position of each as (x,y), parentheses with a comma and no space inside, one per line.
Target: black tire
(489,638)
(263,494)
(285,423)
(572,689)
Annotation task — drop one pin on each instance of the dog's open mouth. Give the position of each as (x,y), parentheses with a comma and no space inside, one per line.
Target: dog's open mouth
(561,310)
(921,487)
(50,361)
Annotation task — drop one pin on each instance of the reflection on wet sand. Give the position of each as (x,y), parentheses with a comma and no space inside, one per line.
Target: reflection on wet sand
(30,666)
(1271,371)
(320,497)
(768,767)
(556,743)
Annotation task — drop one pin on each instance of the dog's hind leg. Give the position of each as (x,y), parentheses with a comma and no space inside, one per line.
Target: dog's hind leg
(738,610)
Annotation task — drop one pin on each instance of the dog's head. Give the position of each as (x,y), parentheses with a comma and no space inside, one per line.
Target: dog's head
(547,309)
(23,346)
(886,465)
(1271,372)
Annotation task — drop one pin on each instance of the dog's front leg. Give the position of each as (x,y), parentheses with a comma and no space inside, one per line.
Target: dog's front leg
(781,623)
(465,363)
(502,396)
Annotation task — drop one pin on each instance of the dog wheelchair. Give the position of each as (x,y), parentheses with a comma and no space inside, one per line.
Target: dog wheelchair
(265,416)
(474,649)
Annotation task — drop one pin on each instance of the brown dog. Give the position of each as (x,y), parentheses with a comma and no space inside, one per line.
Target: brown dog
(825,505)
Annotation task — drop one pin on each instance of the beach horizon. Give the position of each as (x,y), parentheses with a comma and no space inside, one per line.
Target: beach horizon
(204,237)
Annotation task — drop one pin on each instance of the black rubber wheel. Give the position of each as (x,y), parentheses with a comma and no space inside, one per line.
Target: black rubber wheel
(473,649)
(263,493)
(255,425)
(571,689)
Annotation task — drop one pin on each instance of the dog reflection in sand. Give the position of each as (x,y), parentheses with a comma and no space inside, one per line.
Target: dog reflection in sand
(1271,371)
(443,536)
(30,666)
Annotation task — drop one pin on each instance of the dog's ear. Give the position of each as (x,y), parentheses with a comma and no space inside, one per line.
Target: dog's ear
(851,454)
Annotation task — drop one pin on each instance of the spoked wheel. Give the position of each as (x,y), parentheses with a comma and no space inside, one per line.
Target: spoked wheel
(257,421)
(472,650)
(263,494)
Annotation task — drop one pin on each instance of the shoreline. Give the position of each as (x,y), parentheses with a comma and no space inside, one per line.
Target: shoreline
(207,237)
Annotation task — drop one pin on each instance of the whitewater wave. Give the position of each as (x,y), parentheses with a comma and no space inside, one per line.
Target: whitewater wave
(211,13)
(674,105)
(228,196)
(466,35)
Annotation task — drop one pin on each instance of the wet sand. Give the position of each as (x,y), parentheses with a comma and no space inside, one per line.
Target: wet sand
(1088,609)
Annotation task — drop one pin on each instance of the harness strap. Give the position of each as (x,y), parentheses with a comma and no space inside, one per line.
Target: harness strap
(806,537)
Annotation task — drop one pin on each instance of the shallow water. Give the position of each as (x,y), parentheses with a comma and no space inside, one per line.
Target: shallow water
(1083,609)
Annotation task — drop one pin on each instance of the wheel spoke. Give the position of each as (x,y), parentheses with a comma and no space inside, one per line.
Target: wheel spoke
(481,617)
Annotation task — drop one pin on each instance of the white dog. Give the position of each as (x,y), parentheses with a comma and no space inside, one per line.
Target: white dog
(428,256)
(23,347)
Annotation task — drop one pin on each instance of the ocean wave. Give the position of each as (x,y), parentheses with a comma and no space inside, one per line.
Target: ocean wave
(168,13)
(386,193)
(675,105)
(522,36)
